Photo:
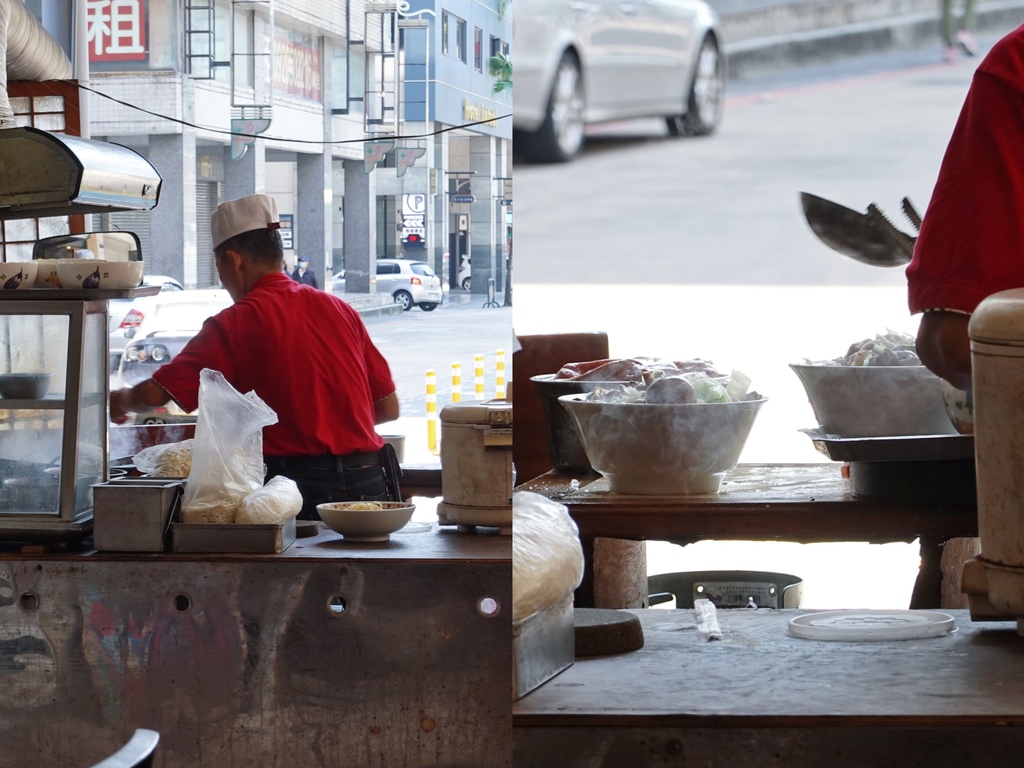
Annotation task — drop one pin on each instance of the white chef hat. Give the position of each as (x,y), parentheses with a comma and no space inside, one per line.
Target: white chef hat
(243,215)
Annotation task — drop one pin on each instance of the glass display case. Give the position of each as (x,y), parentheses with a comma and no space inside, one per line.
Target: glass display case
(54,410)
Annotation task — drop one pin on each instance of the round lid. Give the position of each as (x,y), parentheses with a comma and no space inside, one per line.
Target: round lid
(477,412)
(871,625)
(999,318)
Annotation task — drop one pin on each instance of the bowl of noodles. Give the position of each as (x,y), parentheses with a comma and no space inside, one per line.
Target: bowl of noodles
(366,520)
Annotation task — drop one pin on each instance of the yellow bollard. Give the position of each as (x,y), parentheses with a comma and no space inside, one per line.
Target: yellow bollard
(456,382)
(499,378)
(432,411)
(478,378)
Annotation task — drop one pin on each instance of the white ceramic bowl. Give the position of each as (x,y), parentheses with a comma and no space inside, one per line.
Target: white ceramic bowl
(650,449)
(94,273)
(959,407)
(875,400)
(365,524)
(46,273)
(18,276)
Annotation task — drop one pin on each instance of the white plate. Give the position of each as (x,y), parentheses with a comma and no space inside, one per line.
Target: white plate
(871,625)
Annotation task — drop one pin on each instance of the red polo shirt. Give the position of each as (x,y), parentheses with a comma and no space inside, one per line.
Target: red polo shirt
(972,238)
(306,353)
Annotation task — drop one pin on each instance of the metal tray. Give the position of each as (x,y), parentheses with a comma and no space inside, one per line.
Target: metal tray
(232,538)
(908,448)
(543,645)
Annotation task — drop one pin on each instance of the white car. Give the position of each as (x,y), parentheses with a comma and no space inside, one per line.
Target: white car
(125,314)
(579,62)
(464,275)
(411,283)
(170,323)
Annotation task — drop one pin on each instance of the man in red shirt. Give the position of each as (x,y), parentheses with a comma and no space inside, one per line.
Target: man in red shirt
(305,352)
(972,237)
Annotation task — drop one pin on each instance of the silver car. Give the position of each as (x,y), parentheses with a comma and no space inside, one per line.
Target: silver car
(411,283)
(579,62)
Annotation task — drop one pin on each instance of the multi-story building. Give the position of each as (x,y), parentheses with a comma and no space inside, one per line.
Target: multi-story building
(304,99)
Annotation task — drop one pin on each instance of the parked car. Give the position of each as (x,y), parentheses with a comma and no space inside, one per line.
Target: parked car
(578,63)
(123,314)
(338,281)
(170,323)
(412,283)
(464,276)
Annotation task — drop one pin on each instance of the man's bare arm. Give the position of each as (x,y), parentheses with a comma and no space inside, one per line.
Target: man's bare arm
(945,347)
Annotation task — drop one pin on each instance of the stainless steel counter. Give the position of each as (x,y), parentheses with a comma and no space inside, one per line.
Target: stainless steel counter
(329,654)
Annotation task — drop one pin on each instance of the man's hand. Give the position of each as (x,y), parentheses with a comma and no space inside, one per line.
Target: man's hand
(147,394)
(119,405)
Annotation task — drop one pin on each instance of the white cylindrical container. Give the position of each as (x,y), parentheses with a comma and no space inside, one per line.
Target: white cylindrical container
(997,359)
(476,465)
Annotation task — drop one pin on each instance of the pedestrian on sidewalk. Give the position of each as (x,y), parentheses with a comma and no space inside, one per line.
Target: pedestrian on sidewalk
(303,274)
(958,31)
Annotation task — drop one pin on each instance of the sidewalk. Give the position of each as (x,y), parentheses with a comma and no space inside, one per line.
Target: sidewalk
(771,35)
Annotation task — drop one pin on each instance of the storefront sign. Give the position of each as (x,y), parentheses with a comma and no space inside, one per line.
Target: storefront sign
(414,209)
(297,65)
(210,166)
(116,30)
(287,230)
(476,113)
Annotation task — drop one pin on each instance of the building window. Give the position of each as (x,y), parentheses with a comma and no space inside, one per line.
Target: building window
(495,46)
(478,49)
(444,33)
(504,48)
(460,40)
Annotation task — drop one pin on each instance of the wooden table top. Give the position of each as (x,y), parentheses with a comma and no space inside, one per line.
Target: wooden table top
(758,675)
(791,502)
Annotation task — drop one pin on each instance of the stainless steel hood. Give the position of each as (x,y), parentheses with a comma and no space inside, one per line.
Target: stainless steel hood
(48,174)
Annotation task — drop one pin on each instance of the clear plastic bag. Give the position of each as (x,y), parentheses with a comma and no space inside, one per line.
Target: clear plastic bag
(166,460)
(227,455)
(277,501)
(547,558)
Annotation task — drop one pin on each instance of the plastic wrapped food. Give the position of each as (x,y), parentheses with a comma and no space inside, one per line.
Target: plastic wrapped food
(167,460)
(547,558)
(228,451)
(679,389)
(885,349)
(277,501)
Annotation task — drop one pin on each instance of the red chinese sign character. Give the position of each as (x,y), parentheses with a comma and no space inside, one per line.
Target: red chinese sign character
(116,30)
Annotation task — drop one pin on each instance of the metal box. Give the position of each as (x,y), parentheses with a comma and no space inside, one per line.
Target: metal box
(543,645)
(232,537)
(132,514)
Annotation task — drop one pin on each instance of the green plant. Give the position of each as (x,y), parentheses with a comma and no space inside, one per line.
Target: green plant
(500,67)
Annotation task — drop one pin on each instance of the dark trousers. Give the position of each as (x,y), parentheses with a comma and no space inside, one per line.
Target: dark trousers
(323,479)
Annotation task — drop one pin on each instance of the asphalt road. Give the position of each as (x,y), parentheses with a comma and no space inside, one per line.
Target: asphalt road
(416,341)
(640,207)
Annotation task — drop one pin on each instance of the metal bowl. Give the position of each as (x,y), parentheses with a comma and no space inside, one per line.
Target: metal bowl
(653,449)
(566,451)
(875,400)
(355,524)
(24,386)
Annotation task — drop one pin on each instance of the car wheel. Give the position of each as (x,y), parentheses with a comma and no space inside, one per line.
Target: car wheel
(560,137)
(405,299)
(428,307)
(153,420)
(467,283)
(707,91)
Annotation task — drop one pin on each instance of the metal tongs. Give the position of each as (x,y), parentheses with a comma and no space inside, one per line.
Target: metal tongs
(870,238)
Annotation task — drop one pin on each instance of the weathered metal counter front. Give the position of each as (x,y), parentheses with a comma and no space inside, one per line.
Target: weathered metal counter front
(329,654)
